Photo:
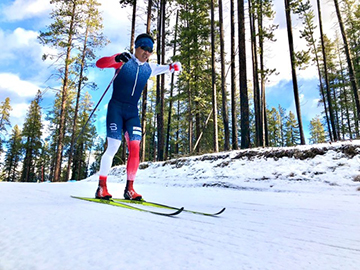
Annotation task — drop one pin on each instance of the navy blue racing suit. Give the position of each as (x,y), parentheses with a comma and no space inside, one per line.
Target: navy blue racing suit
(122,113)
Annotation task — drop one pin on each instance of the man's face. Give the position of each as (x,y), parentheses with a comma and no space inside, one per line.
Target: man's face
(142,55)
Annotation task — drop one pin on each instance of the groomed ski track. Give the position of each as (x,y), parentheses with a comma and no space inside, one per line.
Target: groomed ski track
(41,227)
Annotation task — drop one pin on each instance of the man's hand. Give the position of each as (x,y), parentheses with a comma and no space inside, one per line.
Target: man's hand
(175,67)
(123,57)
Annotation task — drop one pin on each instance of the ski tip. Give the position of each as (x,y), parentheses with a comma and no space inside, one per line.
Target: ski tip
(177,212)
(221,211)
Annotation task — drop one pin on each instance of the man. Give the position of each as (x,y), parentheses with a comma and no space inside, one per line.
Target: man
(123,115)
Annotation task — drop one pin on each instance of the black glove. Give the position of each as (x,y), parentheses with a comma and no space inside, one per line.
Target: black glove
(123,57)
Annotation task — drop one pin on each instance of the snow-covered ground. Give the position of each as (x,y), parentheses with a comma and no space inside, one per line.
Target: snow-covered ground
(281,213)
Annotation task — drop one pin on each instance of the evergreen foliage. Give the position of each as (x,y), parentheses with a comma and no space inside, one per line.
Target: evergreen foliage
(31,134)
(292,136)
(13,156)
(317,131)
(5,109)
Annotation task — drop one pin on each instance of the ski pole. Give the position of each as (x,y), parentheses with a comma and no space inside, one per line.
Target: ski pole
(107,88)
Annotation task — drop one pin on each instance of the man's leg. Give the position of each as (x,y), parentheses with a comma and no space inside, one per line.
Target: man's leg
(105,166)
(131,168)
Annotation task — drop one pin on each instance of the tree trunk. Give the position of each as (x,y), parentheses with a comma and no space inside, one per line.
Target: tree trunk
(160,84)
(145,91)
(346,102)
(234,135)
(214,95)
(57,170)
(257,104)
(349,60)
(293,71)
(328,91)
(244,100)
(133,27)
(77,107)
(223,81)
(264,125)
(171,93)
(190,116)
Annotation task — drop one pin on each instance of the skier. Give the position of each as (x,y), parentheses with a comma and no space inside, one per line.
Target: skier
(133,71)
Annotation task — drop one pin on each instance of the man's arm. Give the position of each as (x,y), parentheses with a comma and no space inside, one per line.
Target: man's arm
(115,61)
(161,69)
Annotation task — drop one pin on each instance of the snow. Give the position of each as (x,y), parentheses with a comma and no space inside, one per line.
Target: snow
(281,213)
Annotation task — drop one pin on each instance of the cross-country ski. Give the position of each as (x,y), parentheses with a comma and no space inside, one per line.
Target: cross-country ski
(127,206)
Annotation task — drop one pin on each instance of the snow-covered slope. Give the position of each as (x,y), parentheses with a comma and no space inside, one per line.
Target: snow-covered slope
(286,209)
(279,169)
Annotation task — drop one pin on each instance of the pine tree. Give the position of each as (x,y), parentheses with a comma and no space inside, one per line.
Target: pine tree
(261,15)
(5,109)
(213,78)
(13,156)
(43,165)
(92,39)
(149,136)
(292,136)
(307,16)
(317,132)
(349,126)
(170,144)
(274,127)
(195,81)
(62,34)
(160,79)
(32,140)
(333,70)
(145,91)
(332,127)
(85,141)
(282,114)
(234,123)
(53,117)
(349,60)
(351,9)
(244,100)
(224,92)
(289,6)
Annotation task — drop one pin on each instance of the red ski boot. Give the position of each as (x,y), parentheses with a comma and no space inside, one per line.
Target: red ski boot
(130,193)
(102,192)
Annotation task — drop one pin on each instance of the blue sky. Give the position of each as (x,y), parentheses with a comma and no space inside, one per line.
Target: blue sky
(22,72)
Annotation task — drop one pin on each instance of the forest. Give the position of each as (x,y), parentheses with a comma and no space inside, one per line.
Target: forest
(212,105)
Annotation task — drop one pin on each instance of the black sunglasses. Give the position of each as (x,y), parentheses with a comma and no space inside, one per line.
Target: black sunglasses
(147,48)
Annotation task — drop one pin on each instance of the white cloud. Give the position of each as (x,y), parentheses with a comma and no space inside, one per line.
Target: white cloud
(22,53)
(21,45)
(23,38)
(117,24)
(25,9)
(12,42)
(11,83)
(20,110)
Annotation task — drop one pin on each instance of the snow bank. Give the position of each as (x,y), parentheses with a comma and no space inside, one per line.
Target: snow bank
(279,169)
